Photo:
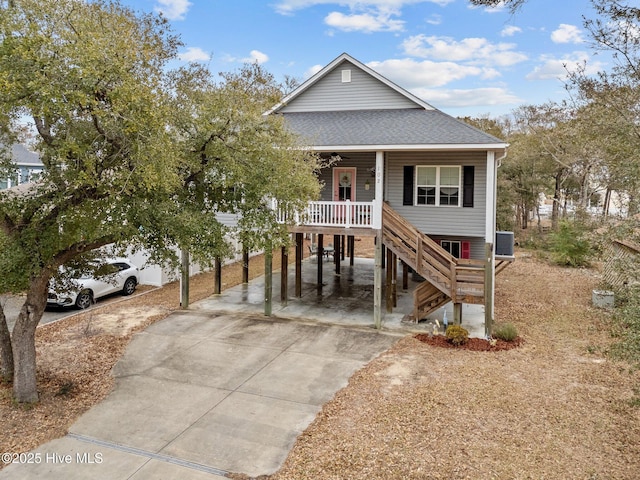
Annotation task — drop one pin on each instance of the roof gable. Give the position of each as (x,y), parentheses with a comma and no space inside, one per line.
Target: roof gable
(347,84)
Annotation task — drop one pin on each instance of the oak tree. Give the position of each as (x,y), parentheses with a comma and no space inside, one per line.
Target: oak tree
(136,155)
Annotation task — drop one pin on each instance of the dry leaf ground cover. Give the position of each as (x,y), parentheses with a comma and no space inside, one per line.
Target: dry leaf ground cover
(556,407)
(75,356)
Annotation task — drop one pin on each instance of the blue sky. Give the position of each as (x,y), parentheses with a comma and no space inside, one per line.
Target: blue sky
(462,60)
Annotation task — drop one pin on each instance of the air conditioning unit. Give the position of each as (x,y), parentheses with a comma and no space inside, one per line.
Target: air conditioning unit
(504,243)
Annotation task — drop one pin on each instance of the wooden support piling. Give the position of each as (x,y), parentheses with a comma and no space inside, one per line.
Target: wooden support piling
(245,265)
(299,255)
(337,244)
(389,287)
(184,279)
(352,249)
(405,276)
(320,255)
(217,276)
(268,280)
(284,274)
(457,313)
(377,283)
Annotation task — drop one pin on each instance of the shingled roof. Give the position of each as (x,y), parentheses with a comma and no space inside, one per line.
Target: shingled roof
(401,127)
(371,113)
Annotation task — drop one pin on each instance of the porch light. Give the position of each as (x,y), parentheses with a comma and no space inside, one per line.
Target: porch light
(367,184)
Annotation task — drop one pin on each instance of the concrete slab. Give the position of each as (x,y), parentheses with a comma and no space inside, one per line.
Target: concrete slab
(246,433)
(147,413)
(199,395)
(345,299)
(69,459)
(302,378)
(158,469)
(215,364)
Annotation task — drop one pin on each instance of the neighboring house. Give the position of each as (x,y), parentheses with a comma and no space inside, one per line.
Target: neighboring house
(28,167)
(620,266)
(420,181)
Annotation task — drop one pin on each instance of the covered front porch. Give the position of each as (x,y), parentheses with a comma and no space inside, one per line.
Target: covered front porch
(342,299)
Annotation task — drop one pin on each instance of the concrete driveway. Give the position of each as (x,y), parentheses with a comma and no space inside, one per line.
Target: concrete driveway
(200,394)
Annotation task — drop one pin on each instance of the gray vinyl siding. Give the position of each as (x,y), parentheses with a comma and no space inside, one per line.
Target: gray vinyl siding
(363,162)
(440,221)
(364,92)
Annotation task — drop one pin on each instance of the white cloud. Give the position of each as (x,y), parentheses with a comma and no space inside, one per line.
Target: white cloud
(288,7)
(412,74)
(312,71)
(475,51)
(510,31)
(434,19)
(566,33)
(497,8)
(173,9)
(477,97)
(365,22)
(194,54)
(559,68)
(256,56)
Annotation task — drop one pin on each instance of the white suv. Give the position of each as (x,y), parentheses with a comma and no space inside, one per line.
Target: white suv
(119,275)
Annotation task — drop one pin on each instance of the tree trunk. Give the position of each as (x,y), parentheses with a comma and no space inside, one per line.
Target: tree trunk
(25,389)
(6,352)
(607,201)
(555,209)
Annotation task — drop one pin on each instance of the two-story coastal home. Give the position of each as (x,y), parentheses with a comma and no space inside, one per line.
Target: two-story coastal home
(421,182)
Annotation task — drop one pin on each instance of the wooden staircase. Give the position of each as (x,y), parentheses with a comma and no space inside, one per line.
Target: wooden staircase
(446,278)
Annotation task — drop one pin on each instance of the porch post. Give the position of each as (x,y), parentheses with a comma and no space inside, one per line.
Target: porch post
(377,225)
(405,276)
(299,253)
(319,256)
(184,279)
(457,313)
(389,286)
(245,265)
(377,202)
(284,274)
(268,279)
(377,282)
(217,274)
(352,247)
(490,233)
(488,289)
(394,280)
(337,252)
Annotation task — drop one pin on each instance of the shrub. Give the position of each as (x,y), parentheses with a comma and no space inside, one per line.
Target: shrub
(457,335)
(506,331)
(569,247)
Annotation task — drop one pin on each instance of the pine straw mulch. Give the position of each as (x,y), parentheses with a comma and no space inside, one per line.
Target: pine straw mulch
(472,344)
(555,407)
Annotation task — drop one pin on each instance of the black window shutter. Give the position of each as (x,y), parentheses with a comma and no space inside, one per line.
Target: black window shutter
(407,193)
(467,185)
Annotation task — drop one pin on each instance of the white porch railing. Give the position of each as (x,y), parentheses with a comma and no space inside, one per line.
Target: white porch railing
(345,214)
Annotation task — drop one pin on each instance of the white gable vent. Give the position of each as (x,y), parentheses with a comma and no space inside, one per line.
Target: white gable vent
(346,76)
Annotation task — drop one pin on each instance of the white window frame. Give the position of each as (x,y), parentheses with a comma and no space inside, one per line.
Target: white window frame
(437,186)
